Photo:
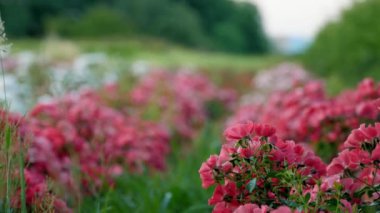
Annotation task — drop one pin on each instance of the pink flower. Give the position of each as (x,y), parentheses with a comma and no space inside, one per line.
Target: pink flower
(346,206)
(116,170)
(361,135)
(252,208)
(36,186)
(264,130)
(207,171)
(282,209)
(211,168)
(329,181)
(226,193)
(239,131)
(345,160)
(376,153)
(61,207)
(223,207)
(248,128)
(368,109)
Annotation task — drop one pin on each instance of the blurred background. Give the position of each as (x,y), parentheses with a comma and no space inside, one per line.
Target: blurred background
(336,40)
(96,41)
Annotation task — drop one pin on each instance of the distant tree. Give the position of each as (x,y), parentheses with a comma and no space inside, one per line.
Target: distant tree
(231,25)
(248,19)
(208,24)
(165,19)
(350,47)
(99,21)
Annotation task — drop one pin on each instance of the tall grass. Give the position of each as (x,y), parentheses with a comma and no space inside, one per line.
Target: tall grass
(176,190)
(9,148)
(8,160)
(22,179)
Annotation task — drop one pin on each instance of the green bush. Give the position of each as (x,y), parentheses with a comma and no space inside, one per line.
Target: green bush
(97,22)
(349,49)
(224,25)
(230,25)
(229,37)
(19,27)
(163,19)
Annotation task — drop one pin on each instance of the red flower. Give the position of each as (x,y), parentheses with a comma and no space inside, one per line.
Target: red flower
(282,209)
(376,153)
(206,171)
(226,193)
(239,131)
(61,207)
(252,208)
(362,135)
(213,165)
(345,160)
(368,109)
(264,130)
(346,206)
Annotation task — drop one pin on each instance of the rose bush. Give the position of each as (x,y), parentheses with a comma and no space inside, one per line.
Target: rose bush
(179,99)
(307,115)
(256,171)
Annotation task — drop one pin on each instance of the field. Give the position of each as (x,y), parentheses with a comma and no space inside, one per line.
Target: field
(159,53)
(129,126)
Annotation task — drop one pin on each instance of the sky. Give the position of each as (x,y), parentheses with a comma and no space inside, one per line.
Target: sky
(298,18)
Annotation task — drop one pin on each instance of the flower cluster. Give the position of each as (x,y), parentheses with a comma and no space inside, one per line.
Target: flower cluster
(80,145)
(260,169)
(67,133)
(281,78)
(256,170)
(180,99)
(37,192)
(307,114)
(357,167)
(77,144)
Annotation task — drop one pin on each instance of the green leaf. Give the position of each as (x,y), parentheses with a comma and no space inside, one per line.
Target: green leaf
(7,138)
(167,198)
(332,204)
(22,182)
(289,203)
(307,198)
(252,185)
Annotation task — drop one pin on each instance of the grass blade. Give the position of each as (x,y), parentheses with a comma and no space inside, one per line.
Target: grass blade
(22,180)
(8,168)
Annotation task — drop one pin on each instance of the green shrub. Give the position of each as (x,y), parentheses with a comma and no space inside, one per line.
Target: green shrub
(349,49)
(224,25)
(230,25)
(99,21)
(171,21)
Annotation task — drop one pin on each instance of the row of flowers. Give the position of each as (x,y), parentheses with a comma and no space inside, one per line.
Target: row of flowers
(80,142)
(307,114)
(257,171)
(80,146)
(268,162)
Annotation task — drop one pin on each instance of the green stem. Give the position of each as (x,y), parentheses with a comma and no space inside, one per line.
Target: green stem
(8,169)
(22,180)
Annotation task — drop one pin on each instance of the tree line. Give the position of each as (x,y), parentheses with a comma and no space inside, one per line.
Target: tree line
(213,24)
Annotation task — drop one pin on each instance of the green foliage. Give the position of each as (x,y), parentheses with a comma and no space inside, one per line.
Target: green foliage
(21,16)
(97,22)
(27,17)
(178,190)
(164,19)
(223,25)
(350,47)
(230,25)
(228,37)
